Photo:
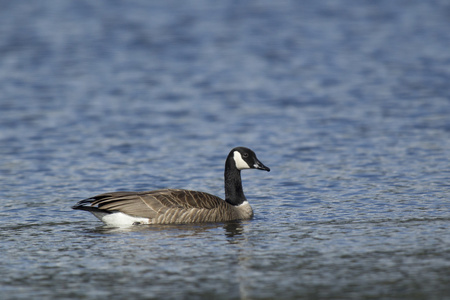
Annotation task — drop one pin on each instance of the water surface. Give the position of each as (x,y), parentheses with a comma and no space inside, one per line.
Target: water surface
(346,101)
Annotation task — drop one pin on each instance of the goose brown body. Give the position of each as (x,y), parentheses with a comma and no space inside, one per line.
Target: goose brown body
(176,206)
(169,206)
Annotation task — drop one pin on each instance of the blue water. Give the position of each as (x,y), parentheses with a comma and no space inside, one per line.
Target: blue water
(347,102)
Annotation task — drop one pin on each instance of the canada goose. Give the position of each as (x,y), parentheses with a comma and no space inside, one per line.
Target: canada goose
(176,206)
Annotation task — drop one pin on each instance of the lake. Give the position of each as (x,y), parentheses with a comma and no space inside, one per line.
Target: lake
(346,101)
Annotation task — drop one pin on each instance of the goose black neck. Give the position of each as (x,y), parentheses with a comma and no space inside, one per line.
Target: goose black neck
(234,194)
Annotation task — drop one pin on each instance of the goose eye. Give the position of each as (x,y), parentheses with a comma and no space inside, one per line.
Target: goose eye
(245,155)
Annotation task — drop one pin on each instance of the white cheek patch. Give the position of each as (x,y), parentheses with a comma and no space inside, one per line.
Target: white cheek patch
(240,163)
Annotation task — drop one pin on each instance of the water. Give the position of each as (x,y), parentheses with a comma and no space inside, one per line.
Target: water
(346,101)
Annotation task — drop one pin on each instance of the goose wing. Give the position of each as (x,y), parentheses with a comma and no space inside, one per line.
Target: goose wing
(151,204)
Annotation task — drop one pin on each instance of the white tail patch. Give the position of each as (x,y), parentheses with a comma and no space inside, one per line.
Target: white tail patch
(239,161)
(120,219)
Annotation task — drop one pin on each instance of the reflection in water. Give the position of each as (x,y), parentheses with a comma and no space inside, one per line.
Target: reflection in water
(233,229)
(235,233)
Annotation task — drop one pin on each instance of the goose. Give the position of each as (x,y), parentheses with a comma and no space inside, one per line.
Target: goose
(178,206)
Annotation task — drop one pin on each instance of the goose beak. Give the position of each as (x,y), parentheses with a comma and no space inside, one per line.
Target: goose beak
(260,166)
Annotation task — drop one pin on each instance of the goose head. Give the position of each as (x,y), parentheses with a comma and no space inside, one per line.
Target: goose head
(245,158)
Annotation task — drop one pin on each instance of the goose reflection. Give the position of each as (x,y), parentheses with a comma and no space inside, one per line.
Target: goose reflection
(232,230)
